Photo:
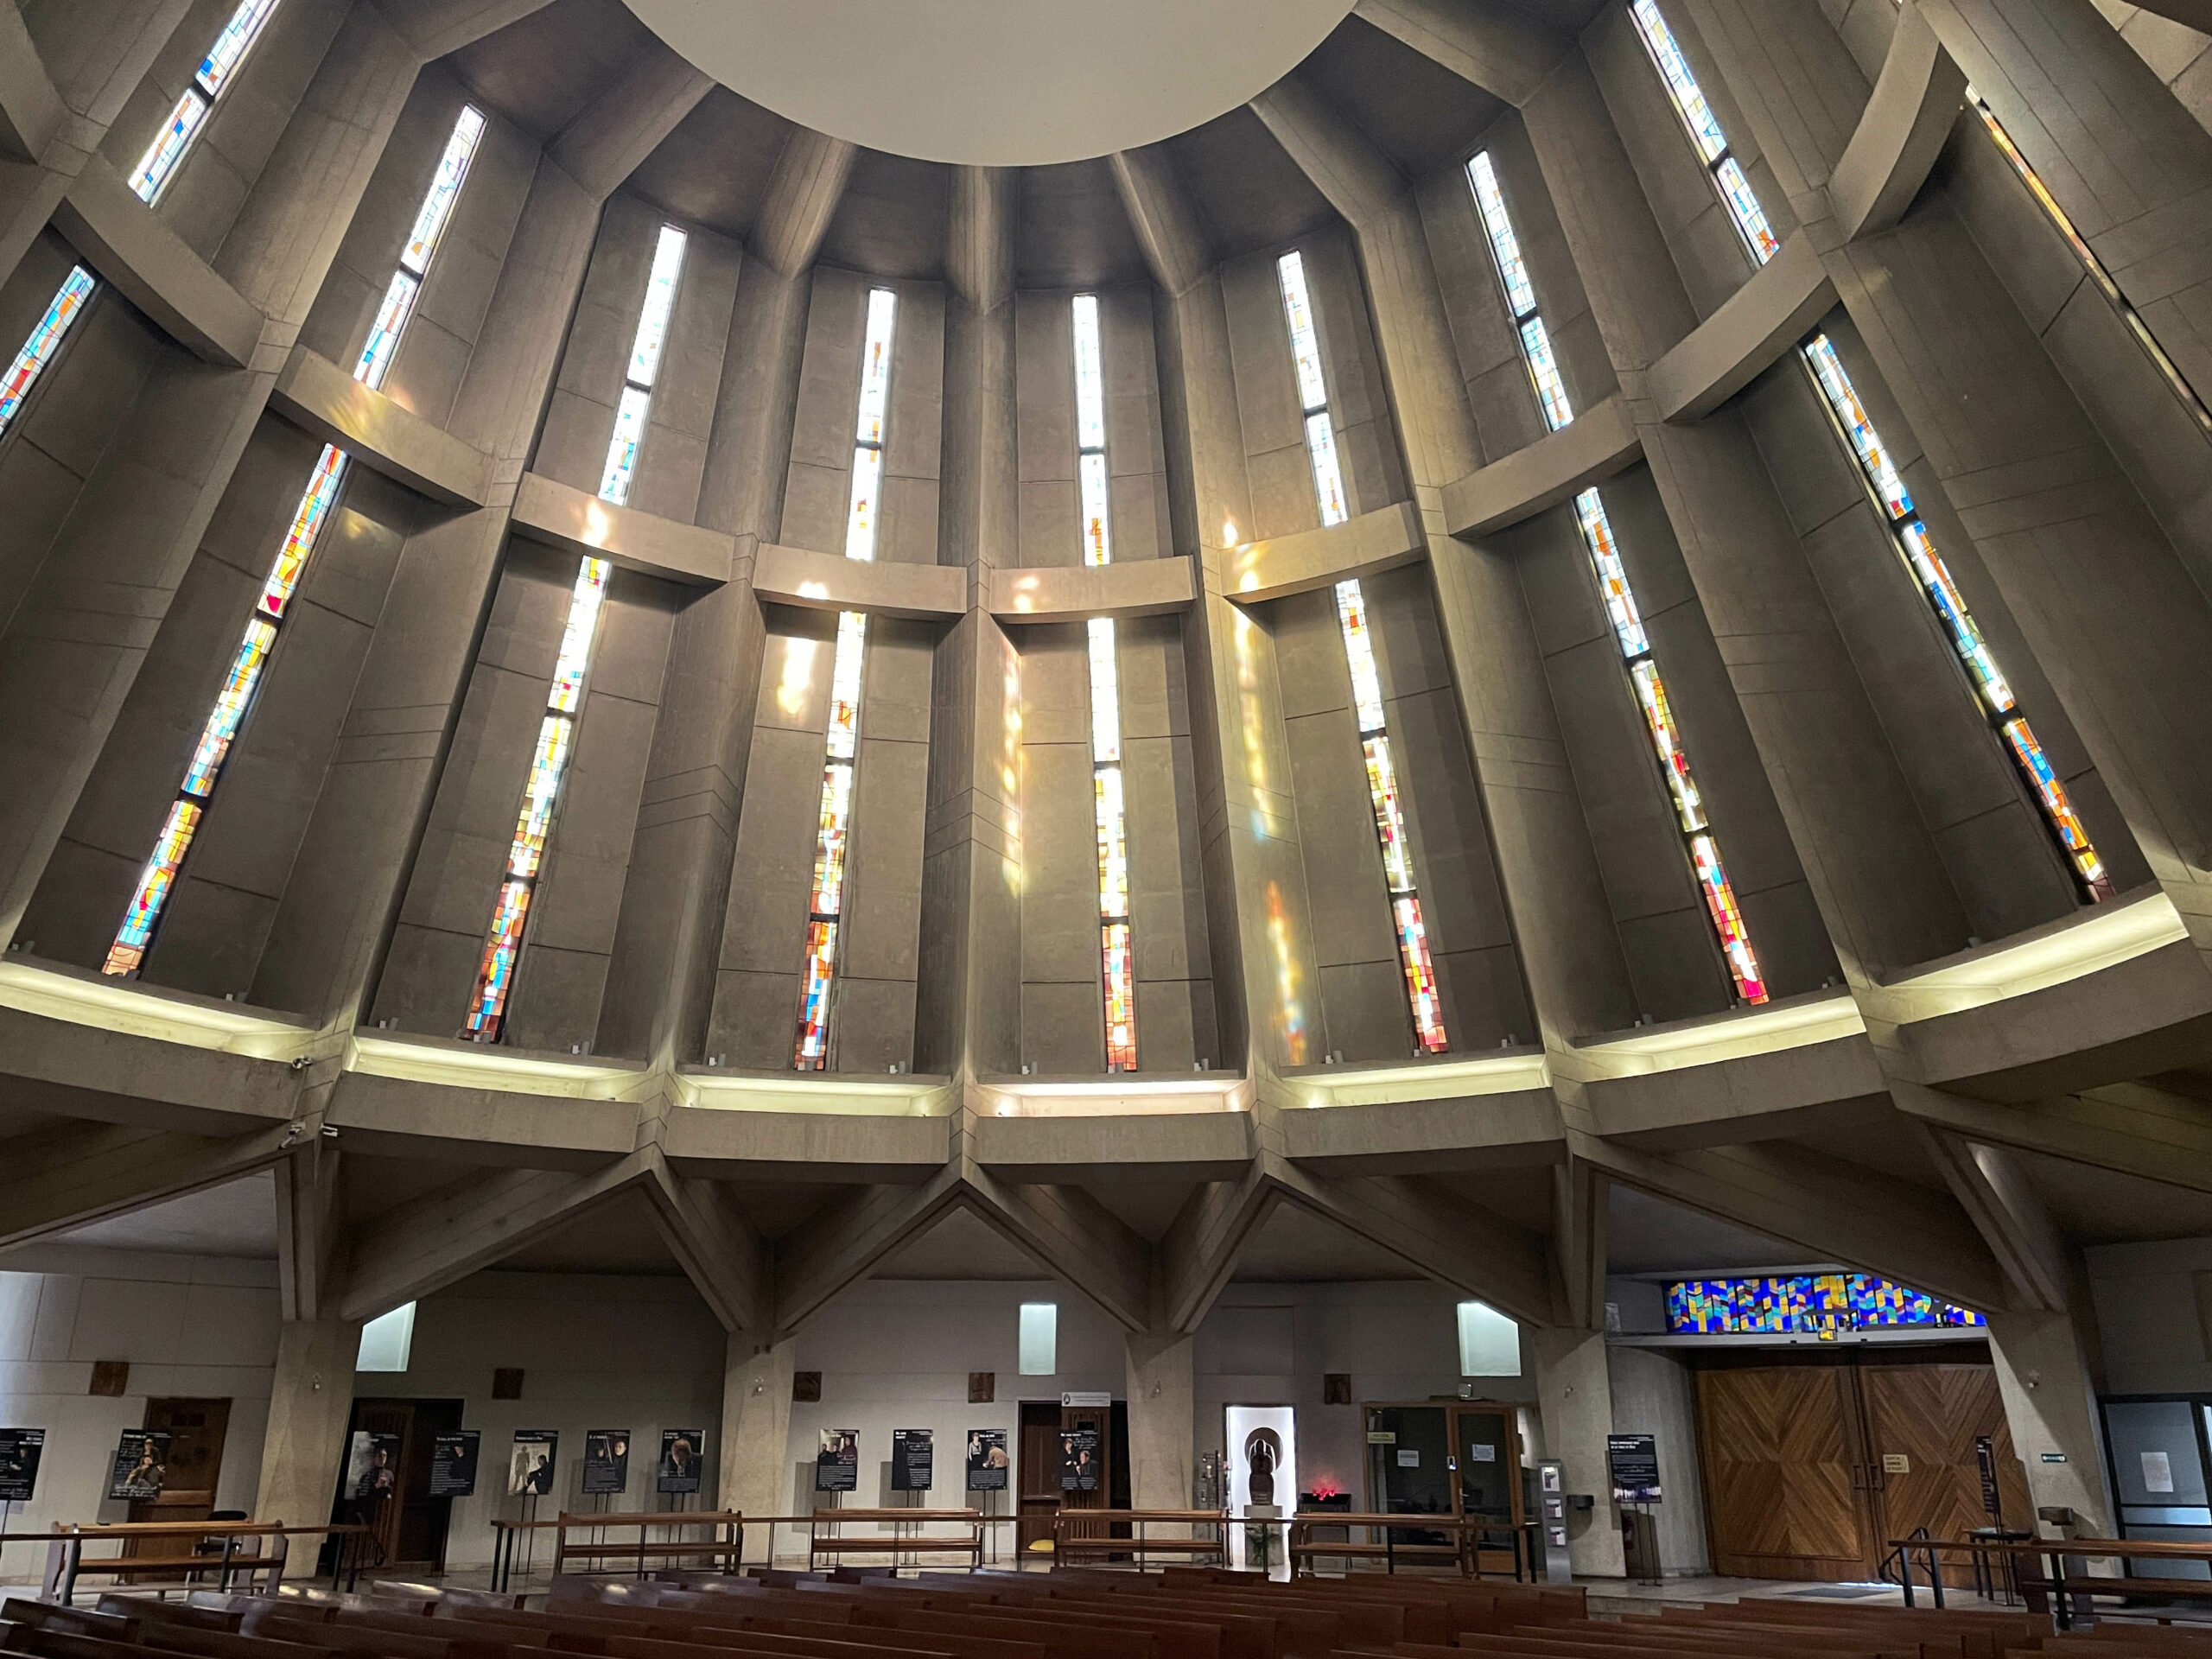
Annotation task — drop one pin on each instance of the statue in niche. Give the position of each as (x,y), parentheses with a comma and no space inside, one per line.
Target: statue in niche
(1262,1451)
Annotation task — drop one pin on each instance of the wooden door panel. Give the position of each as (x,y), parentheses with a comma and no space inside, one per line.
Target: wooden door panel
(1778,1472)
(1930,1415)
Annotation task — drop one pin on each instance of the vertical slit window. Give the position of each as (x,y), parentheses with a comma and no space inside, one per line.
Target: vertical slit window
(833,830)
(1118,974)
(171,144)
(1916,547)
(1698,840)
(235,702)
(1909,533)
(2103,278)
(1706,137)
(406,284)
(62,313)
(564,702)
(1422,1001)
(1520,294)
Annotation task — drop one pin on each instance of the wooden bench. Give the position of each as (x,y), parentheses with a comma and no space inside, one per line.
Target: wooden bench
(176,1550)
(1303,1549)
(824,1540)
(1074,1539)
(726,1549)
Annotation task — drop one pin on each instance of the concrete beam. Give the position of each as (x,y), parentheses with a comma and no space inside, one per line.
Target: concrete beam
(310,1230)
(844,1241)
(1497,48)
(140,1080)
(1367,545)
(405,1117)
(149,266)
(69,1175)
(1902,130)
(1082,1241)
(1599,443)
(803,190)
(1073,592)
(1579,1242)
(1754,326)
(1199,1253)
(435,28)
(827,581)
(31,110)
(1163,217)
(384,437)
(1519,1130)
(1747,1097)
(715,1244)
(563,516)
(1179,1145)
(610,140)
(1993,1187)
(2130,1129)
(804,1145)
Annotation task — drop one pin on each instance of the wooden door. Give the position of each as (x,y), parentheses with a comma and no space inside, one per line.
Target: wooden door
(196,1429)
(1037,1471)
(379,1511)
(1922,1424)
(1783,1478)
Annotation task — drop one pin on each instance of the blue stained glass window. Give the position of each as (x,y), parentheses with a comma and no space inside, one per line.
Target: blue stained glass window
(1806,1304)
(62,310)
(232,44)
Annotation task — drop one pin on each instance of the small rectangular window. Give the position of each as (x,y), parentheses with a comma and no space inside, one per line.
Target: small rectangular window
(1490,1343)
(1039,1346)
(387,1340)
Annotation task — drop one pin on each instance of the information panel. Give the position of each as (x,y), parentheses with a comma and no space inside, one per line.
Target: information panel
(680,1451)
(837,1465)
(1634,1460)
(607,1461)
(453,1463)
(913,1461)
(530,1467)
(988,1462)
(141,1466)
(20,1450)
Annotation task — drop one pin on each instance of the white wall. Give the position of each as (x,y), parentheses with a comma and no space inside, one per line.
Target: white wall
(2153,1302)
(597,1351)
(195,1326)
(1653,1393)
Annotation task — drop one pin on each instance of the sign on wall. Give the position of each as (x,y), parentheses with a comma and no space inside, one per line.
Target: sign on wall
(680,1452)
(530,1466)
(371,1465)
(20,1450)
(607,1461)
(1078,1459)
(141,1467)
(1634,1461)
(988,1462)
(453,1463)
(837,1465)
(914,1459)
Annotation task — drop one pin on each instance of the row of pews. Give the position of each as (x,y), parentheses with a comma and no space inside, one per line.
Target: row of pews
(1182,1613)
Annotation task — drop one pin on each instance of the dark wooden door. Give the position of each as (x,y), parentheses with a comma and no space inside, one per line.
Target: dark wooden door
(196,1429)
(1784,1478)
(379,1512)
(1037,1472)
(1922,1425)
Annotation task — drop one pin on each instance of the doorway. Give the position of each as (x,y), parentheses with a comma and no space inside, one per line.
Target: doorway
(1065,1444)
(407,1525)
(1459,1459)
(194,1466)
(1814,1462)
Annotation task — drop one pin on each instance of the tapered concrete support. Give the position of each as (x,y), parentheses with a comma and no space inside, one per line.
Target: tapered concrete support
(310,1404)
(1161,1422)
(755,1460)
(1576,1392)
(2051,1405)
(660,987)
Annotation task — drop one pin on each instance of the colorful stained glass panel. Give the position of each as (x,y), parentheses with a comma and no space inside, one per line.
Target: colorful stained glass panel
(495,973)
(230,705)
(1689,99)
(1359,654)
(1865,443)
(1090,376)
(1097,545)
(1305,340)
(660,301)
(444,191)
(384,332)
(1727,919)
(170,144)
(867,484)
(622,448)
(526,854)
(65,306)
(845,670)
(1744,206)
(2057,805)
(1110,814)
(1105,692)
(1659,720)
(875,365)
(1328,477)
(1612,575)
(131,940)
(1420,975)
(308,520)
(1965,637)
(1119,980)
(828,894)
(1806,1305)
(813,1046)
(1543,370)
(232,44)
(1504,246)
(1389,812)
(585,600)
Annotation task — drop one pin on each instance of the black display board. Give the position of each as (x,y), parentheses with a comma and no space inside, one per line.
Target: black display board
(1078,1459)
(141,1467)
(680,1450)
(913,1461)
(1634,1461)
(453,1463)
(530,1464)
(372,1465)
(837,1465)
(20,1449)
(607,1461)
(987,1460)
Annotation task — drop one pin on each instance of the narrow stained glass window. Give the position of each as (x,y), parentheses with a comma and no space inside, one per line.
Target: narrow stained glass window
(235,702)
(1110,810)
(62,311)
(833,829)
(564,696)
(1650,690)
(1520,293)
(159,162)
(1916,548)
(1711,144)
(1424,1003)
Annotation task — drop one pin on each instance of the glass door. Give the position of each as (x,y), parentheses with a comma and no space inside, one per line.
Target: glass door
(1409,1467)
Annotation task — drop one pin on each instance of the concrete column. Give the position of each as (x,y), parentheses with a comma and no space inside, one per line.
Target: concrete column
(2050,1406)
(1161,1419)
(1575,1388)
(967,1010)
(755,1459)
(310,1405)
(660,987)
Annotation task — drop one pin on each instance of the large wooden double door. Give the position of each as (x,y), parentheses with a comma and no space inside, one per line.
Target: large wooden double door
(1810,1468)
